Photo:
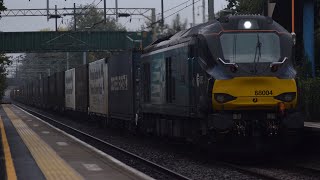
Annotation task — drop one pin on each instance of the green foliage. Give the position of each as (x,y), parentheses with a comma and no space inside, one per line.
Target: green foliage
(177,25)
(246,6)
(232,4)
(35,65)
(169,29)
(4,62)
(2,7)
(305,70)
(93,20)
(309,97)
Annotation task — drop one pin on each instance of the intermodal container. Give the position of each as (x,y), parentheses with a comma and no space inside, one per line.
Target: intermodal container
(52,91)
(45,92)
(70,96)
(123,83)
(60,91)
(98,87)
(81,85)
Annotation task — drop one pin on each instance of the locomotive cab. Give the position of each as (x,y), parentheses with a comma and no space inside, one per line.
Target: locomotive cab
(254,90)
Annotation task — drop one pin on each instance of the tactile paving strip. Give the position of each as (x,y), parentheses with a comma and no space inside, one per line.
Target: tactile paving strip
(10,169)
(50,163)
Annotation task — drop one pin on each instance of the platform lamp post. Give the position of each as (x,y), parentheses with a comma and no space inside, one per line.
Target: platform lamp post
(292,16)
(293,22)
(294,36)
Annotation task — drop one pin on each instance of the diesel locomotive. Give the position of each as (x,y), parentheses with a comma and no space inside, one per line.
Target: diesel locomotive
(230,77)
(234,76)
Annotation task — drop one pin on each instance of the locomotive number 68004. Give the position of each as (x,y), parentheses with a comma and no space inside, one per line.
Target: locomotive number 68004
(263,93)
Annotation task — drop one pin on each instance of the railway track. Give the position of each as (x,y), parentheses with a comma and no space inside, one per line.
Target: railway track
(107,147)
(277,173)
(144,165)
(250,171)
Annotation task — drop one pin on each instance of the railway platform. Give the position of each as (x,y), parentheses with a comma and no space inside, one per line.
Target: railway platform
(315,125)
(33,149)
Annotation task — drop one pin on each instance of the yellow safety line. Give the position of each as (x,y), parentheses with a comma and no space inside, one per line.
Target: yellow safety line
(50,163)
(11,172)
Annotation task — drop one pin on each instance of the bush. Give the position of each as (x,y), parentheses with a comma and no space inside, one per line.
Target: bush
(309,97)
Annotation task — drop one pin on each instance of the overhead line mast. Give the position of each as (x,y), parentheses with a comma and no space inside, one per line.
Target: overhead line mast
(211,10)
(203,11)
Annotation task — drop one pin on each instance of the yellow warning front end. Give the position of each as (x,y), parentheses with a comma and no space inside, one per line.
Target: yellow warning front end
(254,106)
(254,93)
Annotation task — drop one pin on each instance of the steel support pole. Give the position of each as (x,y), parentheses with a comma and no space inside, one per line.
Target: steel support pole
(203,11)
(292,15)
(74,17)
(308,32)
(153,20)
(56,13)
(193,14)
(105,11)
(162,15)
(211,10)
(48,10)
(84,57)
(265,7)
(117,17)
(67,60)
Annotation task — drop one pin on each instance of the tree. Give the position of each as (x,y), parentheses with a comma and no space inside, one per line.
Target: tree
(246,6)
(2,7)
(35,64)
(177,25)
(4,62)
(232,4)
(168,29)
(94,20)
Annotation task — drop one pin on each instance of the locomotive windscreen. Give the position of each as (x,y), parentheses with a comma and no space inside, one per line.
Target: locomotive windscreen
(247,47)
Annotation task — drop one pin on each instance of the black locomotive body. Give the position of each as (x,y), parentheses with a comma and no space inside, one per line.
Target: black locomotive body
(234,76)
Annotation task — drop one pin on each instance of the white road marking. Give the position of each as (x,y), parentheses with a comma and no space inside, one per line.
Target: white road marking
(92,167)
(62,143)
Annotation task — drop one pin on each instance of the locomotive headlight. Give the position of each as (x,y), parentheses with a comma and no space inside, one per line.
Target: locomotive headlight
(286,97)
(247,25)
(223,98)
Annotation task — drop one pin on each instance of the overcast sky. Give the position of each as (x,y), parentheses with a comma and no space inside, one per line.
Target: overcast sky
(37,23)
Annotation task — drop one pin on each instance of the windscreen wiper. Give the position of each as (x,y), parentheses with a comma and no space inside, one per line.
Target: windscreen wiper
(258,50)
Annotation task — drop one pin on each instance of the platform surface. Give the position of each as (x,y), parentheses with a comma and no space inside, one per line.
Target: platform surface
(33,149)
(312,125)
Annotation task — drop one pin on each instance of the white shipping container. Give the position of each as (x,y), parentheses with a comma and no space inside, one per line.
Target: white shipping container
(98,87)
(70,85)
